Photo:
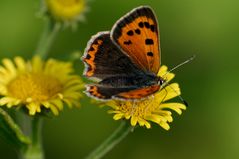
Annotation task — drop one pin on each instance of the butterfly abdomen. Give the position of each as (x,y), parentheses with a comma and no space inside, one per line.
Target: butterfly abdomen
(135,81)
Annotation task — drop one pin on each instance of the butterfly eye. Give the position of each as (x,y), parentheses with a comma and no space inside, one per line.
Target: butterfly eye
(161,82)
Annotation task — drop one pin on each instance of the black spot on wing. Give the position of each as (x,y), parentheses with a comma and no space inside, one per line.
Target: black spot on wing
(88,56)
(149,42)
(137,31)
(152,28)
(141,24)
(128,42)
(91,49)
(146,24)
(150,54)
(89,68)
(130,33)
(91,92)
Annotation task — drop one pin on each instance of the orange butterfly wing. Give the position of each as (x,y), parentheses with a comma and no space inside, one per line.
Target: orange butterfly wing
(138,93)
(137,35)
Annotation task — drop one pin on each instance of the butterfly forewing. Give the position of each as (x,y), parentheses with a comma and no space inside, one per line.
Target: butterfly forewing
(137,35)
(104,59)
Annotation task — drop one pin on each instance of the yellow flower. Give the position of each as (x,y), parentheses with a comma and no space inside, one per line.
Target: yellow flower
(36,84)
(153,108)
(68,11)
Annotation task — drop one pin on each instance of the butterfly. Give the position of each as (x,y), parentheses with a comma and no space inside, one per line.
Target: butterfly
(124,62)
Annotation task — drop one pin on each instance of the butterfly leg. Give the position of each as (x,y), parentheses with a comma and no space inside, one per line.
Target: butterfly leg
(133,107)
(151,99)
(164,96)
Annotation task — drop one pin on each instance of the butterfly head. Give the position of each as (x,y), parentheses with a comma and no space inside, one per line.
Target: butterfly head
(161,81)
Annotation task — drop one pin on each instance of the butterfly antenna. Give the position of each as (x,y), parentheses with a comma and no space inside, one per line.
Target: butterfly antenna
(178,95)
(181,64)
(174,68)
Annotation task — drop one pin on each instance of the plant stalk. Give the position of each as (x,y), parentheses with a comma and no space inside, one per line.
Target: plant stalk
(118,135)
(35,149)
(48,36)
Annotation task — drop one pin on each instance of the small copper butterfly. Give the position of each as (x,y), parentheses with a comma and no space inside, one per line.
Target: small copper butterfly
(126,60)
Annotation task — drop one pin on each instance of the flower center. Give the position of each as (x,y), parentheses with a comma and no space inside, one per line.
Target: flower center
(138,108)
(67,3)
(34,87)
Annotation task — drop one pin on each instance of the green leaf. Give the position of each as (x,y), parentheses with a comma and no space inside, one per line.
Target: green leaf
(11,132)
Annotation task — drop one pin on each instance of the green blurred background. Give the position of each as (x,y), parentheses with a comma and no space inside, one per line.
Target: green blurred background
(209,127)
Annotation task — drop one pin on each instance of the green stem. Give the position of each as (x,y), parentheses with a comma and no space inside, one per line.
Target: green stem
(34,150)
(118,135)
(48,36)
(37,131)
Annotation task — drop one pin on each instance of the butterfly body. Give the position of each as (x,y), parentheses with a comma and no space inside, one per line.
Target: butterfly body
(126,60)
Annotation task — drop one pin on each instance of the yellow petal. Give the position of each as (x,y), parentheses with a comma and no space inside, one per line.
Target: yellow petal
(54,109)
(32,107)
(9,66)
(20,63)
(141,122)
(57,103)
(162,70)
(174,106)
(3,90)
(127,115)
(133,120)
(68,102)
(37,64)
(162,112)
(72,94)
(164,74)
(164,125)
(38,107)
(13,102)
(46,104)
(114,112)
(112,104)
(118,116)
(74,81)
(60,95)
(168,92)
(154,118)
(3,71)
(5,100)
(147,124)
(72,89)
(168,77)
(169,118)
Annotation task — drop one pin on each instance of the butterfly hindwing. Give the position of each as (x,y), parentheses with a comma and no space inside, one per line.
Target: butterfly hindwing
(137,34)
(104,59)
(106,93)
(138,93)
